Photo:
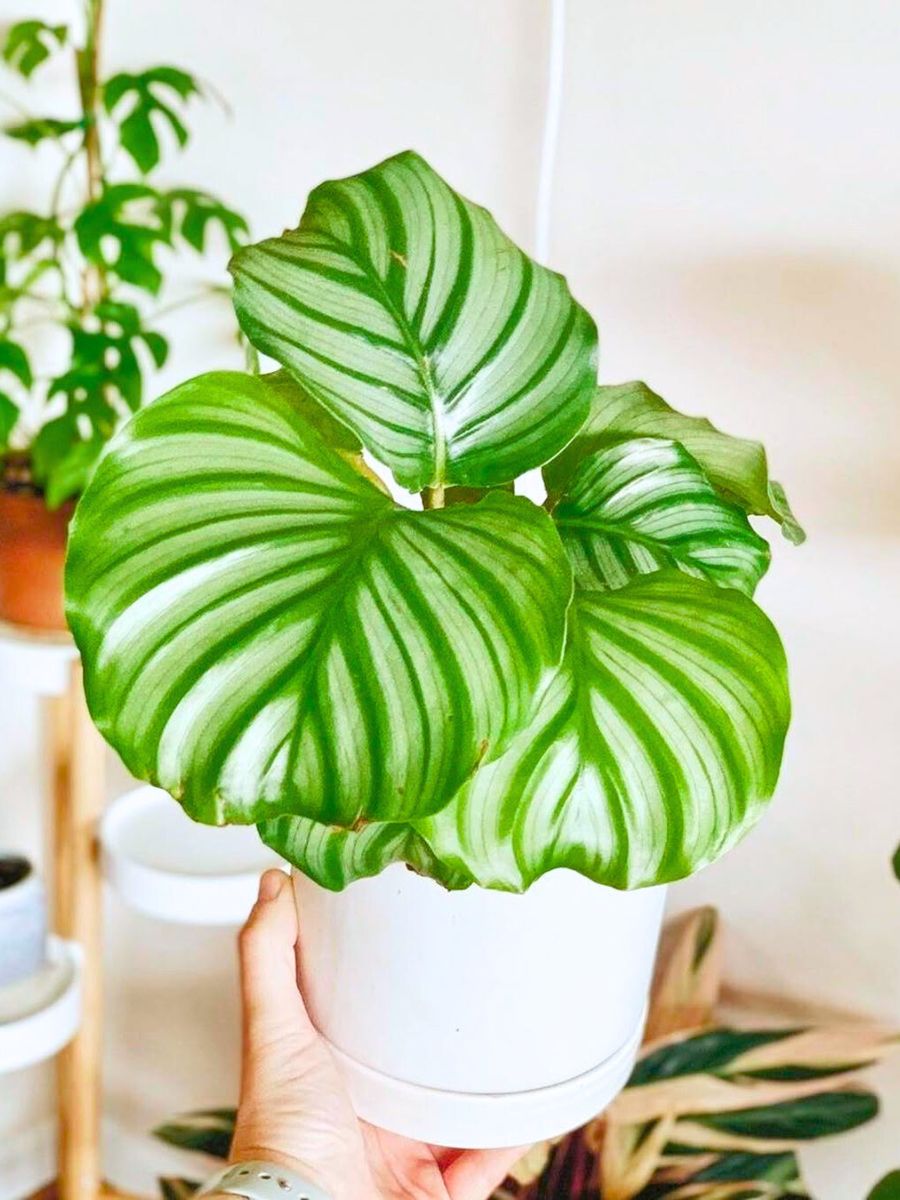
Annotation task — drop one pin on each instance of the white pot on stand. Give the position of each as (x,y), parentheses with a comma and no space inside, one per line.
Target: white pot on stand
(479,1018)
(23,920)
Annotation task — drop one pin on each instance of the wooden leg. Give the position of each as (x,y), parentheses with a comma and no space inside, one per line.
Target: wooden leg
(78,784)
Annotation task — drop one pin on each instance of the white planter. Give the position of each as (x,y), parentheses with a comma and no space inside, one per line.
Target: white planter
(167,866)
(478,1018)
(23,920)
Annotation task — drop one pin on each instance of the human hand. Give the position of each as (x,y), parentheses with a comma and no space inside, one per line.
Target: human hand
(294,1110)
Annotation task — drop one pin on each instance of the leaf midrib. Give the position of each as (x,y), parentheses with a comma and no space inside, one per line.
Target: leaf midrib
(439,454)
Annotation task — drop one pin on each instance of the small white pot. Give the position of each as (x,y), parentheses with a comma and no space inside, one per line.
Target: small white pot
(478,1018)
(23,920)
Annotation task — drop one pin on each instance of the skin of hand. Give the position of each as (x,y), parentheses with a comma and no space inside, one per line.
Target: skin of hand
(294,1109)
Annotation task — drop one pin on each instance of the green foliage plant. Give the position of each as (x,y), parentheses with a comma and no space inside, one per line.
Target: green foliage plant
(480,686)
(92,262)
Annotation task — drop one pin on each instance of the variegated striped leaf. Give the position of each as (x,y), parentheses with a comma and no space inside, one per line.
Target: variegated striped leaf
(407,312)
(264,631)
(638,505)
(655,747)
(335,857)
(737,467)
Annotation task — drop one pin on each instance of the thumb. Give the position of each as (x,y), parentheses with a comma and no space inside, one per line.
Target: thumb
(271,1001)
(477,1173)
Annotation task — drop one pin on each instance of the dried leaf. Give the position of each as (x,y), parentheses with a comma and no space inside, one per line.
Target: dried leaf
(688,975)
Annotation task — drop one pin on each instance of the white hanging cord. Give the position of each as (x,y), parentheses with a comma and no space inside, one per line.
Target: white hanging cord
(550,139)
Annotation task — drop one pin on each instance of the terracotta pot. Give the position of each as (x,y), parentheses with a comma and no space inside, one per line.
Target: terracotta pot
(32,555)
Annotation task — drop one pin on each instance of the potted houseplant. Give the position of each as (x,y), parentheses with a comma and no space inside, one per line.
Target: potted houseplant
(546,710)
(83,266)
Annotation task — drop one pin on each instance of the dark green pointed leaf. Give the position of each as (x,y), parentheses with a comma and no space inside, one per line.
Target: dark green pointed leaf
(705,1053)
(639,505)
(14,359)
(171,1188)
(655,748)
(887,1188)
(30,43)
(157,345)
(811,1117)
(208,1132)
(129,216)
(21,233)
(264,631)
(780,1170)
(895,863)
(195,213)
(9,416)
(70,474)
(768,1168)
(736,467)
(51,444)
(42,129)
(405,310)
(148,98)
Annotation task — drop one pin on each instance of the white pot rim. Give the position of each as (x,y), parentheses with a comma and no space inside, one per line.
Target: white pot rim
(29,884)
(196,894)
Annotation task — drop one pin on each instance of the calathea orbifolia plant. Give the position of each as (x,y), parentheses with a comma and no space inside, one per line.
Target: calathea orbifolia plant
(485,689)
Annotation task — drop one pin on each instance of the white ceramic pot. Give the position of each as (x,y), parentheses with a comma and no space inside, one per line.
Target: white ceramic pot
(23,920)
(478,1018)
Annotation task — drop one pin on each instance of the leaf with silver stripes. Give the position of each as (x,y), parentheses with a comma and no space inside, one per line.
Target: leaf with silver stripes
(736,467)
(407,313)
(264,631)
(335,857)
(642,504)
(654,749)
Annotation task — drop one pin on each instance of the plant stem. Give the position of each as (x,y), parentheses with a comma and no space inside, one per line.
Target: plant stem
(88,65)
(433,497)
(56,199)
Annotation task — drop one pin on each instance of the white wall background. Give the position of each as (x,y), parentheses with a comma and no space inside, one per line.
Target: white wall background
(728,205)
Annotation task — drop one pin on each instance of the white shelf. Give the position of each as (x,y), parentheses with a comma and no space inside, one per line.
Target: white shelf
(165,865)
(37,661)
(40,1015)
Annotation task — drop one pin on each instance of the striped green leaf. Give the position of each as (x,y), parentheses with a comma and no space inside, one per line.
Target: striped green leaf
(655,747)
(804,1119)
(407,312)
(710,1052)
(264,631)
(737,467)
(335,857)
(636,506)
(737,1176)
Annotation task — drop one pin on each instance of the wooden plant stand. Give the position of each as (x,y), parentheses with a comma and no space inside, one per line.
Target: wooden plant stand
(48,665)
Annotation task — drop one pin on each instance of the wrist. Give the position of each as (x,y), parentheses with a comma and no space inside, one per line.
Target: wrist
(263,1179)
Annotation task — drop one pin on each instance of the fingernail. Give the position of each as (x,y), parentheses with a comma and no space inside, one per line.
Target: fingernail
(271,884)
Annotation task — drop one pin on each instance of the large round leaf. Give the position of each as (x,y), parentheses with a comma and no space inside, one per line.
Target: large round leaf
(407,312)
(737,467)
(654,749)
(638,505)
(264,631)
